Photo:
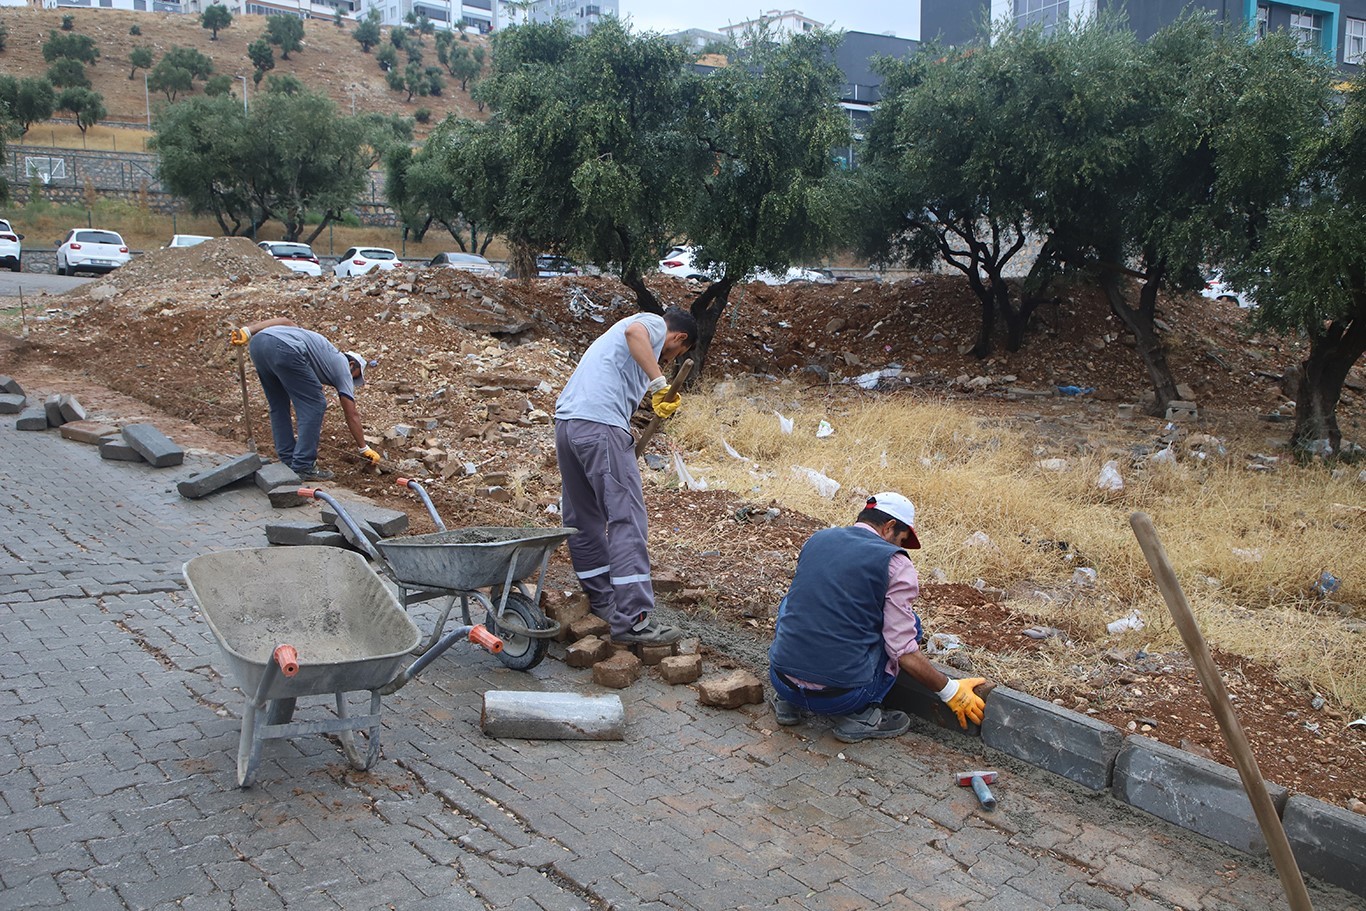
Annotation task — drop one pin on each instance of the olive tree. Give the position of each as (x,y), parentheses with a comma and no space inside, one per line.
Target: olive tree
(215,18)
(287,32)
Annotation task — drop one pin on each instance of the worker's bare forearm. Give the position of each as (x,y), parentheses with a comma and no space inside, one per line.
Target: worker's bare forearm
(353,421)
(924,673)
(257,326)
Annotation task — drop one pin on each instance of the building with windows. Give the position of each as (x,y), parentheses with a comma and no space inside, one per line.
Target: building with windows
(584,14)
(444,14)
(1335,28)
(778,22)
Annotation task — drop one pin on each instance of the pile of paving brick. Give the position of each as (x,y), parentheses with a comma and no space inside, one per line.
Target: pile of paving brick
(132,443)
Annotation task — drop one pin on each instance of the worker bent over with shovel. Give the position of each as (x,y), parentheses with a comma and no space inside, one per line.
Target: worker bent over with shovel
(847,626)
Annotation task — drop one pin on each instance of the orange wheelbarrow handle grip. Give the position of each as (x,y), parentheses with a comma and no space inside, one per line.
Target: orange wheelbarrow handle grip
(288,658)
(480,635)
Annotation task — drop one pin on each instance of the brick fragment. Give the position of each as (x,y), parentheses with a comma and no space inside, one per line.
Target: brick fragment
(650,655)
(588,652)
(92,432)
(11,403)
(565,611)
(31,418)
(203,483)
(287,497)
(618,672)
(590,625)
(678,669)
(731,690)
(153,445)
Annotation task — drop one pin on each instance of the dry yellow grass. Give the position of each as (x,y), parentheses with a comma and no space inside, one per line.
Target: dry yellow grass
(98,138)
(1247,546)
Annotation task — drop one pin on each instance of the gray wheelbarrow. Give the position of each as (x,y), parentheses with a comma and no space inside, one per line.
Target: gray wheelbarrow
(486,565)
(308,621)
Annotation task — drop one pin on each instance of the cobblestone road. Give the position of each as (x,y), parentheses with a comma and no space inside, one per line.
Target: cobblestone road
(120,731)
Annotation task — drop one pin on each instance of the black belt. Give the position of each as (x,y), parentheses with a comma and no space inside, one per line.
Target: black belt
(829,691)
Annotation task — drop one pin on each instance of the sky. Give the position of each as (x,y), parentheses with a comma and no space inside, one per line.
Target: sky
(901,17)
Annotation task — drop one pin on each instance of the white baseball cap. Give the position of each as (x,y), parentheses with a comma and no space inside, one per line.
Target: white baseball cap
(899,508)
(359,361)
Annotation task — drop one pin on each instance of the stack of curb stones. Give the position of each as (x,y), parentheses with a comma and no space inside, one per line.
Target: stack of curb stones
(1193,792)
(133,443)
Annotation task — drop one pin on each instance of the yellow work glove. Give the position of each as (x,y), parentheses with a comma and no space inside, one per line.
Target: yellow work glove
(965,703)
(240,336)
(663,405)
(368,453)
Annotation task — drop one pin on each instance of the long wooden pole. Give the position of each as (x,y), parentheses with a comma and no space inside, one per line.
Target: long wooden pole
(1291,879)
(653,427)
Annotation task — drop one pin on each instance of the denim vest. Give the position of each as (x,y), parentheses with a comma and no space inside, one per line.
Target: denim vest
(830,624)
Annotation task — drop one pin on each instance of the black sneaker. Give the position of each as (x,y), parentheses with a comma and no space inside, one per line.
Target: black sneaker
(653,633)
(315,474)
(870,724)
(787,714)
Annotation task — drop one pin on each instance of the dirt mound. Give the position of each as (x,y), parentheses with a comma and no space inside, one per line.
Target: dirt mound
(218,260)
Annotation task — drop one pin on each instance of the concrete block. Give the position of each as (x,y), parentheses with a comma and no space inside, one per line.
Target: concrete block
(287,497)
(153,445)
(731,690)
(565,611)
(1191,791)
(385,522)
(11,385)
(552,716)
(71,408)
(11,403)
(52,407)
(1329,842)
(1178,410)
(116,450)
(617,672)
(591,625)
(31,418)
(203,483)
(678,669)
(651,655)
(92,432)
(276,474)
(909,696)
(587,652)
(1064,742)
(291,533)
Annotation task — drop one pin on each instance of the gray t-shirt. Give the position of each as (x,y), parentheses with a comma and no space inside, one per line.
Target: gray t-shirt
(330,365)
(608,384)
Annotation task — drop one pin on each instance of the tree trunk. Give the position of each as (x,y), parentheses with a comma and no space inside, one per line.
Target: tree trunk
(1140,321)
(987,304)
(523,261)
(646,302)
(1332,353)
(707,310)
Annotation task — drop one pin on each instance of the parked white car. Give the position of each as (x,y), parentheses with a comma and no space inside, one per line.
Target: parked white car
(1217,289)
(364,260)
(678,262)
(794,275)
(187,240)
(11,250)
(91,250)
(295,257)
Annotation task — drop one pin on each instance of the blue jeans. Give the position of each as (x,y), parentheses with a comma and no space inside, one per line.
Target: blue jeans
(289,380)
(855,700)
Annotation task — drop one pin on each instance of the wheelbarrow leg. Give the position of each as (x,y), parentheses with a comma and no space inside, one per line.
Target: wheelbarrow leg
(435,635)
(248,747)
(348,736)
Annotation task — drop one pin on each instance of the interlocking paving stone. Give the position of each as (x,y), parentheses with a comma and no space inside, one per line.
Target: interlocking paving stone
(124,724)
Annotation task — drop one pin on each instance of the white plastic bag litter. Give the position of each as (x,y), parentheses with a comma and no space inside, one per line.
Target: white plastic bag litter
(1109,479)
(942,643)
(823,429)
(1053,464)
(730,451)
(1083,577)
(979,539)
(825,486)
(1163,457)
(784,424)
(685,478)
(1134,621)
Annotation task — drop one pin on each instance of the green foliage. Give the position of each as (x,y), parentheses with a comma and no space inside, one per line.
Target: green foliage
(4,35)
(398,36)
(285,84)
(139,58)
(220,84)
(286,32)
(381,132)
(215,18)
(244,170)
(28,101)
(68,73)
(422,115)
(68,22)
(414,51)
(387,58)
(338,17)
(72,46)
(187,58)
(262,57)
(170,79)
(135,30)
(367,31)
(463,63)
(86,106)
(395,80)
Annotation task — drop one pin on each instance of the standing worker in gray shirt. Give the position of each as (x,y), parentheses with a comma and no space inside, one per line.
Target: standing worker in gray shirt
(600,486)
(293,365)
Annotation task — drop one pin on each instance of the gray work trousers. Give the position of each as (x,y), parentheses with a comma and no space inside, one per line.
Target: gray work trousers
(601,497)
(289,380)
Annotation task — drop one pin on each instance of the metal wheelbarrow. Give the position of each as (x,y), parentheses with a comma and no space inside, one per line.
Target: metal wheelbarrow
(307,621)
(460,564)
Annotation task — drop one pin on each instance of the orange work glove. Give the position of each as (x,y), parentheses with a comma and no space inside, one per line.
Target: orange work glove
(240,336)
(965,703)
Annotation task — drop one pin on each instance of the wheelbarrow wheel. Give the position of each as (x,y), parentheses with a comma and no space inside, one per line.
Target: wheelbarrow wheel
(521,653)
(280,711)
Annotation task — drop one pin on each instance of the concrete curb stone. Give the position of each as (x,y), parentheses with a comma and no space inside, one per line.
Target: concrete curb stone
(52,407)
(92,432)
(12,404)
(385,522)
(11,385)
(153,445)
(304,533)
(118,451)
(71,408)
(1329,842)
(1190,791)
(276,474)
(1067,743)
(203,483)
(34,417)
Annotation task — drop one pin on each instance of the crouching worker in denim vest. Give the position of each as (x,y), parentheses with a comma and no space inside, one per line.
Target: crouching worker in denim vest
(847,627)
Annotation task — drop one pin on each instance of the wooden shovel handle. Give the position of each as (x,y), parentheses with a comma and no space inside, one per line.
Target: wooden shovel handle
(653,427)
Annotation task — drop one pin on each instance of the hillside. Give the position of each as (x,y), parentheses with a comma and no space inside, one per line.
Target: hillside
(331,61)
